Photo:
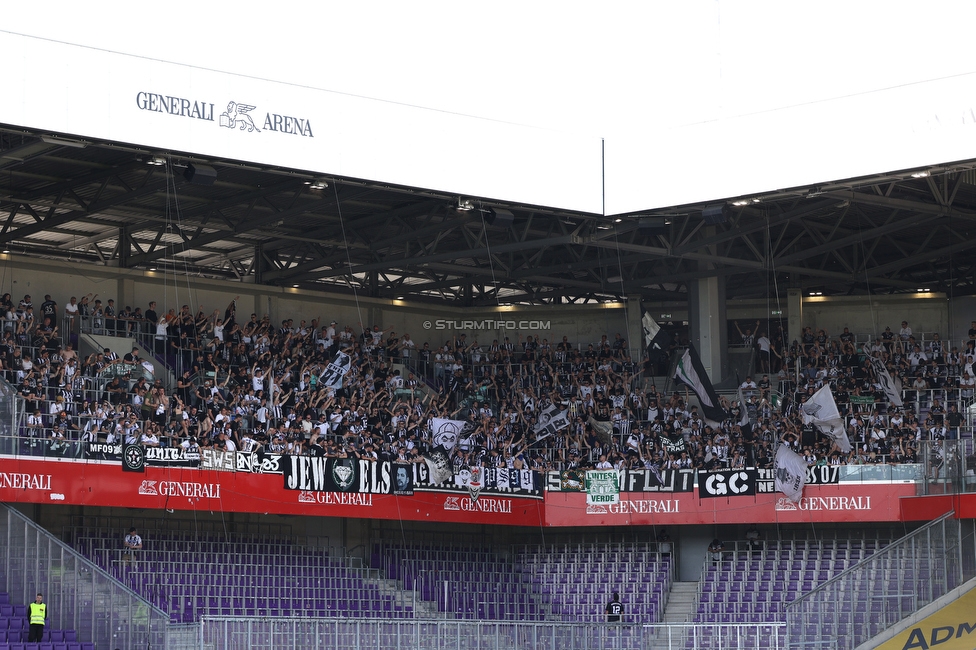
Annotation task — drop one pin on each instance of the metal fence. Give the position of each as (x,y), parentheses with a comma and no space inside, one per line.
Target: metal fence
(222,633)
(872,596)
(79,595)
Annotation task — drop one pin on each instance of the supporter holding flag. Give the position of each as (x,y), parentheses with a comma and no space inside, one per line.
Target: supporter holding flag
(891,390)
(691,373)
(791,473)
(551,420)
(821,411)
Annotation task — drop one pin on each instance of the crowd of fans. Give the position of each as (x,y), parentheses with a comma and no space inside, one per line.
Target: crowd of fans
(247,384)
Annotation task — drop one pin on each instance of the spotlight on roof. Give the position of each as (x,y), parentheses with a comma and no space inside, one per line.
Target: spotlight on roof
(317,184)
(465,205)
(500,218)
(715,214)
(920,174)
(156,161)
(200,174)
(653,226)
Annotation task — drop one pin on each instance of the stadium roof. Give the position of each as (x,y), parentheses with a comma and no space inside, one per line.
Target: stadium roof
(108,203)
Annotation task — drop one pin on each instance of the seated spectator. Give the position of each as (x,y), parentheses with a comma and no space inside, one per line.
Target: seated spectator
(715,550)
(754,538)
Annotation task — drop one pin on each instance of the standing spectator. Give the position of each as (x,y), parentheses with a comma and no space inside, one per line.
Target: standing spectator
(905,332)
(954,419)
(49,309)
(748,338)
(130,544)
(150,316)
(37,616)
(614,609)
(664,542)
(407,348)
(110,313)
(764,345)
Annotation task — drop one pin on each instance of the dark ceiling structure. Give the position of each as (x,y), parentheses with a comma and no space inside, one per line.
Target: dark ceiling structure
(120,205)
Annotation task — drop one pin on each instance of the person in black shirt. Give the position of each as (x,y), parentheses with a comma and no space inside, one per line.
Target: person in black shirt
(49,308)
(614,609)
(954,419)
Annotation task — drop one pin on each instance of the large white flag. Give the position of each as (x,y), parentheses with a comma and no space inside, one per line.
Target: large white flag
(821,411)
(445,433)
(791,473)
(890,390)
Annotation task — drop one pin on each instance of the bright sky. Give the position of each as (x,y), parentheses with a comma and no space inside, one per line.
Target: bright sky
(625,71)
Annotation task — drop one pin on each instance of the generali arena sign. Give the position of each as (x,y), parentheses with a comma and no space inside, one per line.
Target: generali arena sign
(853,502)
(673,500)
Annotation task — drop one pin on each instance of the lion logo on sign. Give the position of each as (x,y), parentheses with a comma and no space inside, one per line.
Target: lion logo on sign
(237,115)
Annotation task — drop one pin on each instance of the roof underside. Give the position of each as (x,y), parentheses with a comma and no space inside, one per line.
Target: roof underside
(107,204)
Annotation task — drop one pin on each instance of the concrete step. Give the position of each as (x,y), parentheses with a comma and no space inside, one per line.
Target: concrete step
(682,603)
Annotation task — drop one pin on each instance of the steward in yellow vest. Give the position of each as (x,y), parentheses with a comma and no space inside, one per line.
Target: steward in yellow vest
(37,611)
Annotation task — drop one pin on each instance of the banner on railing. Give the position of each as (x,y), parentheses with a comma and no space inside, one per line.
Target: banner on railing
(727,483)
(749,482)
(320,474)
(104,484)
(159,456)
(629,480)
(602,486)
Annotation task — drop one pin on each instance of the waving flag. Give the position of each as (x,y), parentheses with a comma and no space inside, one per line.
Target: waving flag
(691,373)
(821,411)
(791,473)
(890,390)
